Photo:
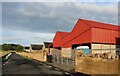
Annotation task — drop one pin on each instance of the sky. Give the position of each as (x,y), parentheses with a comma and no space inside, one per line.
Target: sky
(28,23)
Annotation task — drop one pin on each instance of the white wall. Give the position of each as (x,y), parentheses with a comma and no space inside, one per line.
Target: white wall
(104,48)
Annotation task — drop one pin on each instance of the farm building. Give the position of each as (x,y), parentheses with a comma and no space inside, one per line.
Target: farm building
(27,48)
(57,42)
(48,47)
(34,47)
(98,37)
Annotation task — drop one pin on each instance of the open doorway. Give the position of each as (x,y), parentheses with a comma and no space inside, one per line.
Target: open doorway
(58,48)
(74,46)
(84,47)
(117,43)
(87,44)
(118,47)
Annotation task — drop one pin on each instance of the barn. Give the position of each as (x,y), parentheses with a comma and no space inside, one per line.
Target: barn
(97,36)
(35,47)
(57,41)
(48,47)
(27,48)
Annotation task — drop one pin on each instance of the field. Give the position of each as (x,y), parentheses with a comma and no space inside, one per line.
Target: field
(2,53)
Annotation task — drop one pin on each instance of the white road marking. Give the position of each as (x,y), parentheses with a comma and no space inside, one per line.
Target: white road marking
(6,62)
(7,58)
(56,68)
(67,73)
(8,55)
(49,66)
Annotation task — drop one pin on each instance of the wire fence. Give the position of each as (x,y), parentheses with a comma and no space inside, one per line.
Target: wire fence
(57,57)
(64,60)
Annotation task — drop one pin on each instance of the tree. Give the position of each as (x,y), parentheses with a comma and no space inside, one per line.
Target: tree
(6,47)
(19,48)
(9,46)
(14,47)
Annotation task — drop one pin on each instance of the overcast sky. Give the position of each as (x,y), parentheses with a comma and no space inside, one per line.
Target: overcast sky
(28,23)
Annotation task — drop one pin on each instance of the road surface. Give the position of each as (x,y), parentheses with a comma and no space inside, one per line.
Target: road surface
(18,65)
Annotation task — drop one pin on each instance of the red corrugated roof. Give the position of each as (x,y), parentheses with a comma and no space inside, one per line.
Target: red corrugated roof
(91,24)
(63,34)
(77,34)
(58,38)
(101,25)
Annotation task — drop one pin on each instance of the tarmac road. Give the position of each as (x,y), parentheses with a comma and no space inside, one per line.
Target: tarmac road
(17,65)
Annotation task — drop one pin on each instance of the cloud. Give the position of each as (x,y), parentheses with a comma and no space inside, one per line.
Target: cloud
(0,22)
(60,1)
(25,37)
(45,18)
(50,17)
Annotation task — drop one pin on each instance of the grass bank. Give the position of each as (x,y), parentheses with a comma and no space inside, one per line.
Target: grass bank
(3,52)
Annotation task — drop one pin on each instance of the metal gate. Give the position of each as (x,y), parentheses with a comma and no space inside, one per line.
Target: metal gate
(64,60)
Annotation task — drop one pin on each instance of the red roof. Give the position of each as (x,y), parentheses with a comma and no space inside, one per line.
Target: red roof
(63,34)
(84,32)
(58,38)
(101,25)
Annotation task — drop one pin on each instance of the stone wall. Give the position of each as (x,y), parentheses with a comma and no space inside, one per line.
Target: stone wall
(40,56)
(96,65)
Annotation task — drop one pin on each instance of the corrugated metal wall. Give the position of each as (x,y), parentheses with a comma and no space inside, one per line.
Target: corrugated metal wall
(104,36)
